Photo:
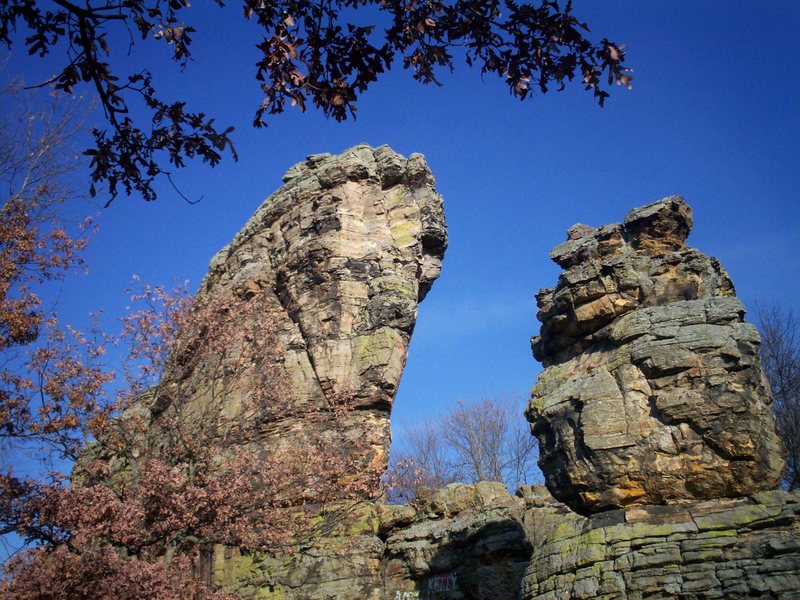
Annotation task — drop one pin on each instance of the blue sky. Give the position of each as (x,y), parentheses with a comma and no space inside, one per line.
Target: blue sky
(714,115)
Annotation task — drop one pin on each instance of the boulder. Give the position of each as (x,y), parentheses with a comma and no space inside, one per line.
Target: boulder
(652,389)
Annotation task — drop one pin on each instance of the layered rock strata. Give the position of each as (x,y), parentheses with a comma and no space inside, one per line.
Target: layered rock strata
(339,258)
(652,389)
(734,549)
(476,542)
(652,399)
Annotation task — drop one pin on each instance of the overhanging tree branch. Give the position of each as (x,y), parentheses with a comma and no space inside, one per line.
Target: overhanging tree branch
(311,53)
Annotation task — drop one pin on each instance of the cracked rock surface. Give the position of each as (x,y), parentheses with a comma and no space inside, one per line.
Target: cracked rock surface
(652,389)
(465,542)
(652,384)
(476,542)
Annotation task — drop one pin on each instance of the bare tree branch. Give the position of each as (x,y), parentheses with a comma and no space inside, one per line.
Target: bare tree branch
(780,359)
(487,440)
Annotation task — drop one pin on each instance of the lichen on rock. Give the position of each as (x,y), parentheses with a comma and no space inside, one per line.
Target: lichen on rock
(652,389)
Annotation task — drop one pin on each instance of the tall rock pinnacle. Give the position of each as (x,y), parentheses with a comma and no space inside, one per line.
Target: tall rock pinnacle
(340,256)
(652,389)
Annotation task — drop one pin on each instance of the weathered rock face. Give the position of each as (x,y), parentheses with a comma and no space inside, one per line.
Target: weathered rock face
(652,394)
(340,256)
(652,389)
(464,541)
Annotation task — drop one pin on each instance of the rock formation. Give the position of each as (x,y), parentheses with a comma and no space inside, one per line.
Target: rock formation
(464,541)
(339,257)
(652,394)
(652,389)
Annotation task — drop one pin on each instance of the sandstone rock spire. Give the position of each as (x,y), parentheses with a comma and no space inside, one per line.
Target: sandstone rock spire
(340,255)
(652,389)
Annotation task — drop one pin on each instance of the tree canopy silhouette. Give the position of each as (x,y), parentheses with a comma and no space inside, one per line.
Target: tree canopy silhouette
(312,52)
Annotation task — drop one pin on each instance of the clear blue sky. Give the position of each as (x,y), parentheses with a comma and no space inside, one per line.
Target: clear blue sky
(714,115)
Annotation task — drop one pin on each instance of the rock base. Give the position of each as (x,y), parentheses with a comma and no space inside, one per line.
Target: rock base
(743,548)
(477,542)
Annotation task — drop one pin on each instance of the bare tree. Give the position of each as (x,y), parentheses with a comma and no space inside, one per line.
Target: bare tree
(423,462)
(488,440)
(475,433)
(780,359)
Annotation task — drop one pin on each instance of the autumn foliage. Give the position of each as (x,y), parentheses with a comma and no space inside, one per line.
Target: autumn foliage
(128,455)
(142,506)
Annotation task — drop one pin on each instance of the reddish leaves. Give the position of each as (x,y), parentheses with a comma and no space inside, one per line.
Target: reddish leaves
(101,573)
(154,481)
(179,463)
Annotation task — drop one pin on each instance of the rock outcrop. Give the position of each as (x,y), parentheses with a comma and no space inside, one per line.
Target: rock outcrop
(463,541)
(652,407)
(339,257)
(476,542)
(652,389)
